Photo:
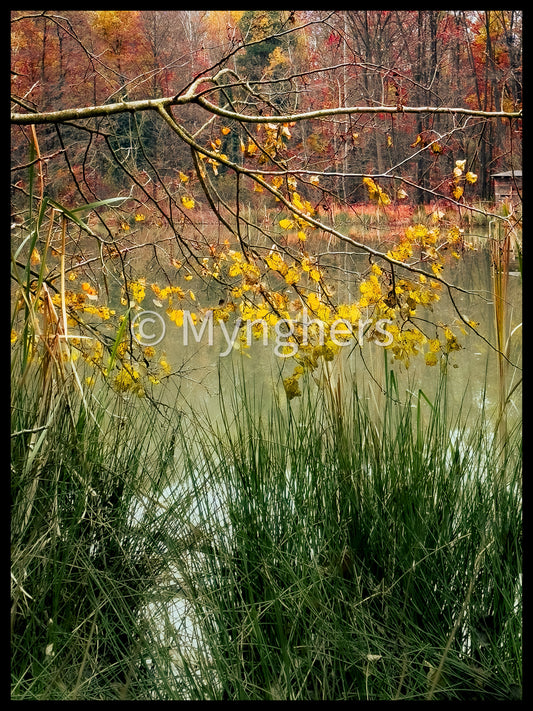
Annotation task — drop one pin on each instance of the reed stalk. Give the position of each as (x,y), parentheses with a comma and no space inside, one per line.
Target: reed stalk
(500,254)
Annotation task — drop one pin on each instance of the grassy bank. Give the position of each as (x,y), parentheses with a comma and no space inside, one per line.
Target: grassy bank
(314,551)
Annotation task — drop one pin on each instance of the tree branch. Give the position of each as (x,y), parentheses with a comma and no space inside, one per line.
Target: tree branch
(191,96)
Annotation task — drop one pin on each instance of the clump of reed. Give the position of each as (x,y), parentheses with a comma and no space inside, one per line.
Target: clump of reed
(320,553)
(80,568)
(500,246)
(355,559)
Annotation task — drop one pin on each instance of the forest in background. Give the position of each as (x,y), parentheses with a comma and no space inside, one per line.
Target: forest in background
(298,61)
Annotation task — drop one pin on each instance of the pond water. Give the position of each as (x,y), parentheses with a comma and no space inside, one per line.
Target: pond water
(207,365)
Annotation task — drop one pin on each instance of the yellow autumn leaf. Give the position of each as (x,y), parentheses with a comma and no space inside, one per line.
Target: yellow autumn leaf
(431,358)
(184,178)
(302,236)
(458,192)
(251,148)
(286,224)
(296,201)
(187,202)
(139,217)
(471,177)
(292,275)
(313,301)
(175,315)
(225,130)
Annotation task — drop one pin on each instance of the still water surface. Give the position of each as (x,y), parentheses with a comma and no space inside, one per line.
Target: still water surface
(208,369)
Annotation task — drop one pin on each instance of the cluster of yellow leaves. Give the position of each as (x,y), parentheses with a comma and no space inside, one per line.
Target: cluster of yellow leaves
(131,371)
(277,58)
(167,291)
(370,290)
(470,177)
(73,301)
(430,243)
(406,342)
(299,222)
(250,272)
(77,302)
(291,384)
(381,297)
(104,312)
(375,192)
(128,379)
(137,289)
(311,267)
(274,142)
(402,251)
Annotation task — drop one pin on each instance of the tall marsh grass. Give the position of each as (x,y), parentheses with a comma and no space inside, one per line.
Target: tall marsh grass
(80,570)
(360,560)
(304,551)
